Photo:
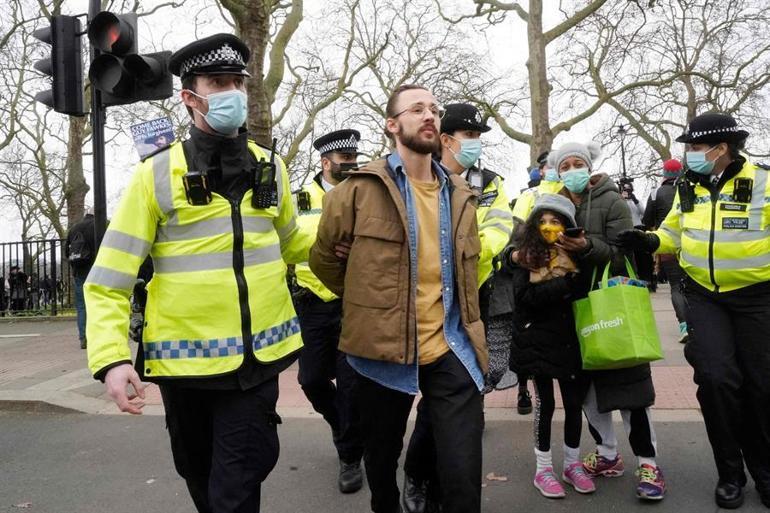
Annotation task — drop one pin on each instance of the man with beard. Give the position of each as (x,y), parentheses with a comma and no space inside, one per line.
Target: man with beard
(320,313)
(398,241)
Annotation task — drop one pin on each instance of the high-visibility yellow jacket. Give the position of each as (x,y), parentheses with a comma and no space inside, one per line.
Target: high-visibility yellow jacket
(219,288)
(309,216)
(723,244)
(526,201)
(495,222)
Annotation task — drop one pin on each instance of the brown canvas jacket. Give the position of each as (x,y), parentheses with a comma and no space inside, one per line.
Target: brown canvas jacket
(374,282)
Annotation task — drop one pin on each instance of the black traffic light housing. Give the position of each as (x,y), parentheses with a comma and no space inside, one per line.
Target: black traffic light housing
(65,65)
(119,72)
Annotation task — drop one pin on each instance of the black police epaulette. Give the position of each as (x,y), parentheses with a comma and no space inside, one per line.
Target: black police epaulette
(762,165)
(488,176)
(155,152)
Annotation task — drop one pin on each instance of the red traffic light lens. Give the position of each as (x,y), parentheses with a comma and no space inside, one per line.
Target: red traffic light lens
(112,33)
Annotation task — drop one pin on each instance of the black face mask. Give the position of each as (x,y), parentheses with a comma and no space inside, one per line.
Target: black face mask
(341,171)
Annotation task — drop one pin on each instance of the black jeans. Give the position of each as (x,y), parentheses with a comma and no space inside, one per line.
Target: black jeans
(224,443)
(319,363)
(729,350)
(453,403)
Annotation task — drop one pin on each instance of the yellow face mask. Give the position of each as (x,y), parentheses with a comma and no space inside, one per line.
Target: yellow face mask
(550,232)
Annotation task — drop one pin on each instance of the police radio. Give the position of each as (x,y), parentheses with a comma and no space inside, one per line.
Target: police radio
(264,193)
(475,178)
(196,188)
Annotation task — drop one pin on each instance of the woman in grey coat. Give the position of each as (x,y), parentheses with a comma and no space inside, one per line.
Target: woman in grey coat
(602,213)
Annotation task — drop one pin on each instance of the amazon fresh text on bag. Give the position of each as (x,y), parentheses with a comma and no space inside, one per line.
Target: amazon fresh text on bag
(601,325)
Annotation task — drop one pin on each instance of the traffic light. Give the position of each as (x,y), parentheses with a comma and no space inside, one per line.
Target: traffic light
(65,65)
(119,72)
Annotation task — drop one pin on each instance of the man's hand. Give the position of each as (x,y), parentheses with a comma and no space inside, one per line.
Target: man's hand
(117,380)
(574,245)
(639,240)
(342,250)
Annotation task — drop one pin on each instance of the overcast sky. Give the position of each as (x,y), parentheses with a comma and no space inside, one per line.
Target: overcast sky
(169,29)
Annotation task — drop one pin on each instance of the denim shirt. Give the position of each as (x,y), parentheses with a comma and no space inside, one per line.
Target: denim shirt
(404,377)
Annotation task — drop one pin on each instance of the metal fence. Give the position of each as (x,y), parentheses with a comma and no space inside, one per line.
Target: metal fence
(36,278)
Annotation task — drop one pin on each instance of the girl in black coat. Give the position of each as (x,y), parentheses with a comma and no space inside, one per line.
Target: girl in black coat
(547,346)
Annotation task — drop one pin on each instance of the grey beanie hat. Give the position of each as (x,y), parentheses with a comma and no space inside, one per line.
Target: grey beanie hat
(587,152)
(555,203)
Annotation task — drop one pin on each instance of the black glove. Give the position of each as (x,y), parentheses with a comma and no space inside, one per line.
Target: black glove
(639,240)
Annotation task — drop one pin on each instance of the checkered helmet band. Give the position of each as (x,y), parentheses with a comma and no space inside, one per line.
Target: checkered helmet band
(341,145)
(722,130)
(225,54)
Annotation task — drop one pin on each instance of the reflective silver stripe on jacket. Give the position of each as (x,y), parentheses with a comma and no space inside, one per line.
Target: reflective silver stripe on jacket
(673,234)
(727,235)
(496,213)
(285,232)
(757,206)
(161,172)
(503,228)
(210,228)
(722,264)
(214,261)
(126,243)
(111,278)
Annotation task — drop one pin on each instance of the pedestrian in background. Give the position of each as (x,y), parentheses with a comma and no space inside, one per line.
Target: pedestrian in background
(80,250)
(658,206)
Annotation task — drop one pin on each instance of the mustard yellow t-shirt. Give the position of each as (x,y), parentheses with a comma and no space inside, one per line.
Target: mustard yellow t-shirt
(430,305)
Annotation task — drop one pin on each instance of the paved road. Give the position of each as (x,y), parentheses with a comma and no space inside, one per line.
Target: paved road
(80,463)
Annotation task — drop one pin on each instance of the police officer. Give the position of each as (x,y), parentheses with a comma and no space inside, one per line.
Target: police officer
(320,314)
(461,129)
(547,182)
(550,183)
(219,221)
(720,227)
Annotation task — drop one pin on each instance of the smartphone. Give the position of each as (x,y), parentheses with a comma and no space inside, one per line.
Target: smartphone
(574,232)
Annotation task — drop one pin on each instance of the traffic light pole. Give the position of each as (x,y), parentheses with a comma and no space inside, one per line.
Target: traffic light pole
(98,118)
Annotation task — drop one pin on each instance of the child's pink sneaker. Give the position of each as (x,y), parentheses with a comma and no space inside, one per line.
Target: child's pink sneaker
(548,484)
(576,475)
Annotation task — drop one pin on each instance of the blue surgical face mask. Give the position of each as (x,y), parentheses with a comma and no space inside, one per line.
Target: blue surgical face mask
(552,175)
(227,110)
(697,161)
(576,180)
(470,151)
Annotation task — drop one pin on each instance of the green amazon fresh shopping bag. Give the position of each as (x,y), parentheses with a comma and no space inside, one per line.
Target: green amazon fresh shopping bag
(616,326)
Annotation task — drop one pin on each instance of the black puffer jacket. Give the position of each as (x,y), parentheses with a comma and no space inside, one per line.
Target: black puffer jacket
(604,213)
(546,343)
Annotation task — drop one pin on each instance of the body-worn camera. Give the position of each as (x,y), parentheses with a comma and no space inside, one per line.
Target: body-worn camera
(264,188)
(742,190)
(196,188)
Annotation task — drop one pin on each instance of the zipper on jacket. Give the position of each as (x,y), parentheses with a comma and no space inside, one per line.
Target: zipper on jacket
(712,276)
(240,279)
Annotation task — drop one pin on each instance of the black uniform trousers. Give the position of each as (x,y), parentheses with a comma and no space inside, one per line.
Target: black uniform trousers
(729,349)
(319,363)
(453,403)
(224,443)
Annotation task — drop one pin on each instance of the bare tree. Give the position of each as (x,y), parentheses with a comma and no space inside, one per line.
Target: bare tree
(720,53)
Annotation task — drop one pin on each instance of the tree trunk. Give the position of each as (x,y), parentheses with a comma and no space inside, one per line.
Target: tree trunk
(76,187)
(253,25)
(542,136)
